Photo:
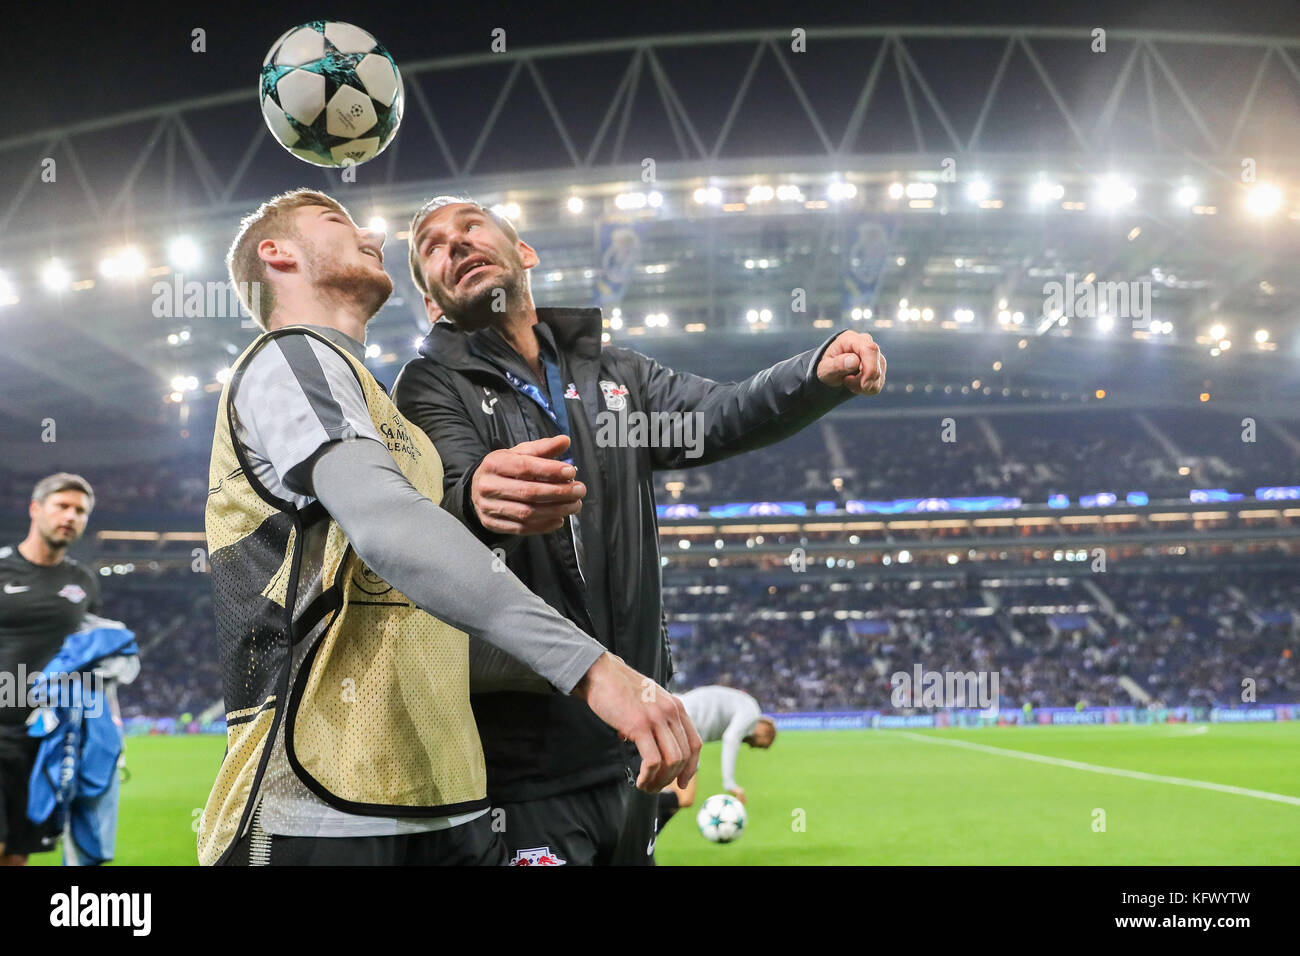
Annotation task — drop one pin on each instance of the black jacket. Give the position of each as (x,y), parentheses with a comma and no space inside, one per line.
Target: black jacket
(538,745)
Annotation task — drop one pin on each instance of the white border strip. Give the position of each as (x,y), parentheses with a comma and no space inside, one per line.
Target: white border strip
(1112,771)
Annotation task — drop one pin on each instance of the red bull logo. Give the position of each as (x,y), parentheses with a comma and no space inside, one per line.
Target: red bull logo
(73,592)
(538,856)
(615,395)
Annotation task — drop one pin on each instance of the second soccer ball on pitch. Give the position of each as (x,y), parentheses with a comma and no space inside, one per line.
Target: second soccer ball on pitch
(331,94)
(722,818)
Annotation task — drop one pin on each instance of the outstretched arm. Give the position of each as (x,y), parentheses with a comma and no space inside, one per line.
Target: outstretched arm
(432,559)
(766,407)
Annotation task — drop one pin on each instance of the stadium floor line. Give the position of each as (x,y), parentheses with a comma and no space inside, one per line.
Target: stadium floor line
(1112,771)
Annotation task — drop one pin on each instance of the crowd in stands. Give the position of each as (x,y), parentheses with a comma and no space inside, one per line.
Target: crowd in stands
(1198,640)
(1177,639)
(1023,455)
(171,615)
(1182,639)
(1027,455)
(171,492)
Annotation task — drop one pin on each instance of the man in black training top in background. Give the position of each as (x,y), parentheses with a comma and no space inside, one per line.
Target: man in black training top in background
(43,597)
(504,389)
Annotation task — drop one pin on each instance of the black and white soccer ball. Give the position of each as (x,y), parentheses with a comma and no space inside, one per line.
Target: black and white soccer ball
(722,818)
(331,94)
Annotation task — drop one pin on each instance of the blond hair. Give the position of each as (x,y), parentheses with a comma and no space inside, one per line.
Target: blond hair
(273,219)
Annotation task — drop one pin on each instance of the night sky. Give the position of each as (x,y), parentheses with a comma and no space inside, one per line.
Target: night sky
(64,67)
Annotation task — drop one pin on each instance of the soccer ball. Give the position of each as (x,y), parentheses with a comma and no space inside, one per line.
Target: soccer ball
(722,818)
(331,94)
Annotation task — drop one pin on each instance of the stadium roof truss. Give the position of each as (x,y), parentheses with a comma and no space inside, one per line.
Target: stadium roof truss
(857,94)
(877,104)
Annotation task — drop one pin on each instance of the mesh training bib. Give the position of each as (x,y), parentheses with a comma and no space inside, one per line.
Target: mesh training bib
(374,692)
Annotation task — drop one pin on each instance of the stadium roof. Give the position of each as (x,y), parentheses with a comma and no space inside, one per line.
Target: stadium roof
(998,160)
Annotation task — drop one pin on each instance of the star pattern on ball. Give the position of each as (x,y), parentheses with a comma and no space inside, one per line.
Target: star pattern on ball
(331,93)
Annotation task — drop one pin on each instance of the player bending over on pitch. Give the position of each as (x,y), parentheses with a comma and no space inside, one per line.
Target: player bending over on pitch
(344,594)
(729,715)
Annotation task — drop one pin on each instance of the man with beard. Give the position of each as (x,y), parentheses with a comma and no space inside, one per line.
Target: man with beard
(504,389)
(344,595)
(43,597)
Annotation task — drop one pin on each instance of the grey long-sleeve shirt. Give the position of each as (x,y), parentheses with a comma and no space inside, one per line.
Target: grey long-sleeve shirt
(302,417)
(726,714)
(429,556)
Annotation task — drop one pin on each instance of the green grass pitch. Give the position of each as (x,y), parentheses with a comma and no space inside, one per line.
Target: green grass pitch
(893,797)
